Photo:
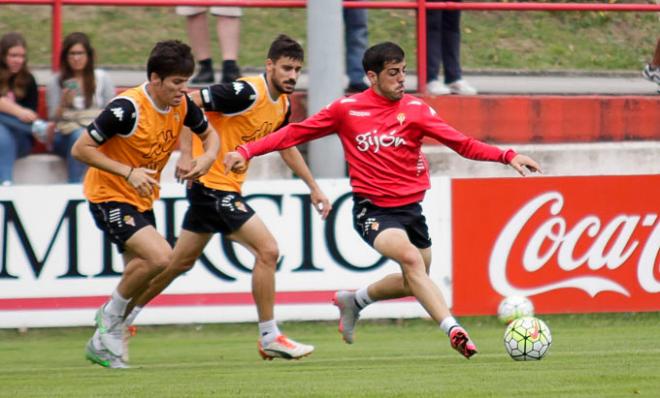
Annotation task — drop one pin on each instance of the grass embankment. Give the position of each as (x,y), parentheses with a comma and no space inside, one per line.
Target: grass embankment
(530,41)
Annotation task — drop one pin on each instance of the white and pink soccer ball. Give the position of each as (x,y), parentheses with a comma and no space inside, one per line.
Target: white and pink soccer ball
(514,307)
(527,339)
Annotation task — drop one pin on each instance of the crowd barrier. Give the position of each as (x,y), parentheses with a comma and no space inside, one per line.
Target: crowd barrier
(57,267)
(526,118)
(420,6)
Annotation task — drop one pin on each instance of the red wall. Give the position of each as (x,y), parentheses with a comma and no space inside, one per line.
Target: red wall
(543,118)
(534,119)
(551,119)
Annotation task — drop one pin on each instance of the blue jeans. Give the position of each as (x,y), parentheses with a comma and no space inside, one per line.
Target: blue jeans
(443,41)
(62,147)
(356,37)
(15,142)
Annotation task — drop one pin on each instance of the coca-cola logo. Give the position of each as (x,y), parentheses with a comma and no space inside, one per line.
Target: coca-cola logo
(611,244)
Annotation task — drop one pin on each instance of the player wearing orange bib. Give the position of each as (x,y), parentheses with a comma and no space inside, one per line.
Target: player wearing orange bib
(127,147)
(243,111)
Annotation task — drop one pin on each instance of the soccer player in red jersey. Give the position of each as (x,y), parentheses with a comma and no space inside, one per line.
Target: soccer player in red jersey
(381,130)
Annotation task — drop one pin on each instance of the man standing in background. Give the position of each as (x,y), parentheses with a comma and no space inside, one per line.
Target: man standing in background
(228,28)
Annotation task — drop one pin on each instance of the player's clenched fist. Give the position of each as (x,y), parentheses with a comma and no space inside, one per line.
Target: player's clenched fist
(234,162)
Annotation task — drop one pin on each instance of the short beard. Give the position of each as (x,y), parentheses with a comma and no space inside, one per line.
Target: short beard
(281,89)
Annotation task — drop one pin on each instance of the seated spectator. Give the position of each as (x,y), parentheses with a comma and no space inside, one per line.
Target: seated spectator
(75,96)
(19,123)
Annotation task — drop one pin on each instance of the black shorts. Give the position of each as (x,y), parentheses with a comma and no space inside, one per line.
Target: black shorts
(213,211)
(119,221)
(369,220)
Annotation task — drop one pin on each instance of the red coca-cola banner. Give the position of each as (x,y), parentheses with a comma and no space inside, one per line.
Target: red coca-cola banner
(574,244)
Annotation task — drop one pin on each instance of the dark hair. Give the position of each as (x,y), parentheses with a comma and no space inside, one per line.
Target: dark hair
(66,72)
(17,83)
(284,46)
(377,56)
(170,58)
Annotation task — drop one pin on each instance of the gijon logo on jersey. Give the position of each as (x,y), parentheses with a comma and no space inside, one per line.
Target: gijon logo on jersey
(375,141)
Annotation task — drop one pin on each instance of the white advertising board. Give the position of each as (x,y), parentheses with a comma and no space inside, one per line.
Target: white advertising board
(57,268)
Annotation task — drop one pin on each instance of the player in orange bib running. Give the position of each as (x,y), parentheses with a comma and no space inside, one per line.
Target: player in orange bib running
(243,111)
(127,147)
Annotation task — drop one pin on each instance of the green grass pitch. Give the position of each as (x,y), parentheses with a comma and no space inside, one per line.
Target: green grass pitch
(601,355)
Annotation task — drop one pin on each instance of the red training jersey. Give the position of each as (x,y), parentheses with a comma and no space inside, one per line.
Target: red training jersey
(382,142)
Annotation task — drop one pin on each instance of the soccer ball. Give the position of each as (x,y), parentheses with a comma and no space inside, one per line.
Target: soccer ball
(514,307)
(527,339)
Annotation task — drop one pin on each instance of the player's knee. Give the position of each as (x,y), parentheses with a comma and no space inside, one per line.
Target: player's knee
(268,254)
(182,266)
(182,262)
(159,263)
(411,261)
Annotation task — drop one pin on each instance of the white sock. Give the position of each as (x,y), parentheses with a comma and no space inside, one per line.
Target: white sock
(362,298)
(448,323)
(117,304)
(130,318)
(268,331)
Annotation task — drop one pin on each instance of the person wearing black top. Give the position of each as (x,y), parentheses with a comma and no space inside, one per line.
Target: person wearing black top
(18,105)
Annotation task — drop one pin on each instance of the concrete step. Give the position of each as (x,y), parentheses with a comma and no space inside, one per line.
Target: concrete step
(613,158)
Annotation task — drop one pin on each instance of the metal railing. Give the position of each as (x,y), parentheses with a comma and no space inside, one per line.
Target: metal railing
(419,5)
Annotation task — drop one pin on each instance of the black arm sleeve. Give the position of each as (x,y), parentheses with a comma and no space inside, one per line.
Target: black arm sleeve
(118,118)
(195,118)
(228,98)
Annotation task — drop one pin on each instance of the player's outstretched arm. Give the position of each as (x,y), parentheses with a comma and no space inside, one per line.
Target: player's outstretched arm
(524,165)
